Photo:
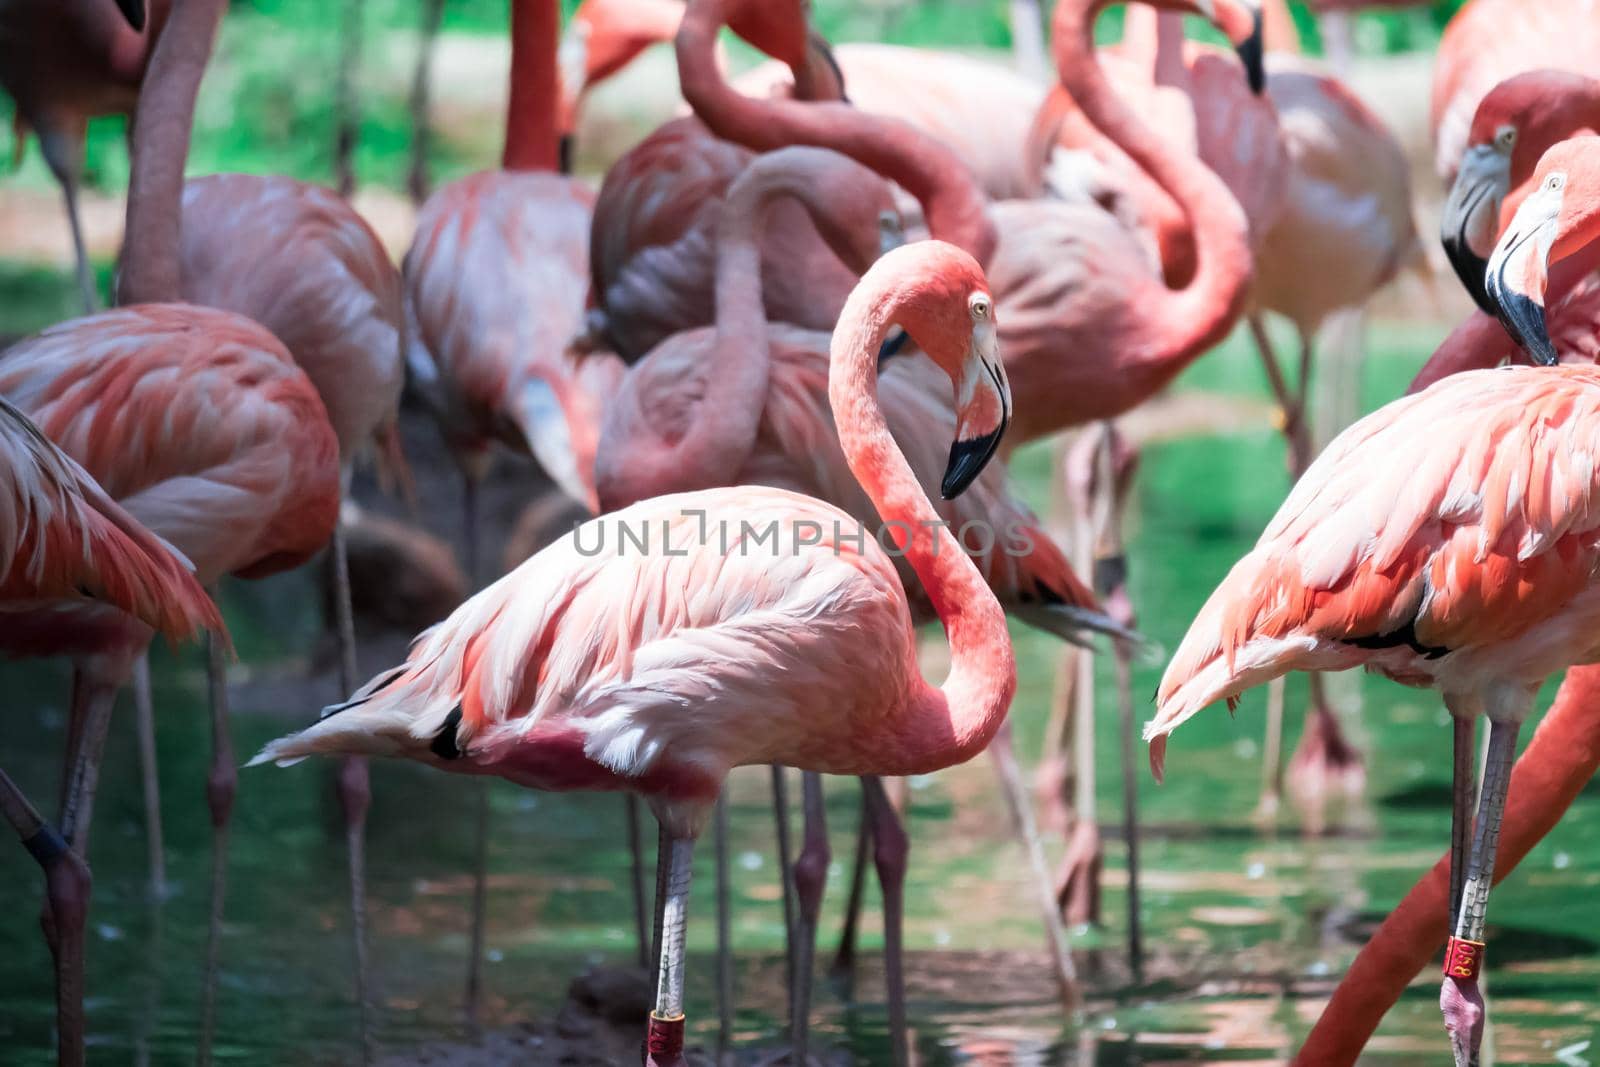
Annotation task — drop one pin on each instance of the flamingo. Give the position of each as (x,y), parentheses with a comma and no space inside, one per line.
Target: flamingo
(1560,760)
(196,419)
(1512,128)
(492,358)
(64,62)
(299,260)
(1468,572)
(1488,41)
(744,403)
(597,668)
(97,579)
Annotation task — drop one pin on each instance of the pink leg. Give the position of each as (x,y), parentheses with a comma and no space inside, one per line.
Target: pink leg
(66,879)
(221,787)
(810,875)
(890,848)
(843,972)
(1460,999)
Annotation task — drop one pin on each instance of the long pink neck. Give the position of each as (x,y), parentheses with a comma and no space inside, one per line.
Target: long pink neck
(951,201)
(1183,322)
(1154,40)
(161,129)
(532,138)
(957,720)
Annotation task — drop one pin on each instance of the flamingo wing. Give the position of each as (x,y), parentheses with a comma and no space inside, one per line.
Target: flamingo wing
(1449,521)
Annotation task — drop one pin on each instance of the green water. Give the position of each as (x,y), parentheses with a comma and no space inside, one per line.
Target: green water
(1247,930)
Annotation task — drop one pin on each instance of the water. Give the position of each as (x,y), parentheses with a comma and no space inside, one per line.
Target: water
(1247,931)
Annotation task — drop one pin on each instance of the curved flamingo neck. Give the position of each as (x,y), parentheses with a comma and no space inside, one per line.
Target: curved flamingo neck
(1154,40)
(943,184)
(1187,321)
(958,719)
(532,137)
(161,129)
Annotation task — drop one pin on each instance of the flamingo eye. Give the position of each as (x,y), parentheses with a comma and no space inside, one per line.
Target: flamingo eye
(1506,137)
(1555,181)
(979,305)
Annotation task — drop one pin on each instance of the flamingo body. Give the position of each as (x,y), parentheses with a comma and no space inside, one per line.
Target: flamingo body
(299,260)
(1467,568)
(197,421)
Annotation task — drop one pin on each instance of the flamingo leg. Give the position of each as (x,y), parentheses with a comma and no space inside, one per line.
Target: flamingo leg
(1130,803)
(145,724)
(780,812)
(1003,751)
(1463,728)
(641,920)
(843,972)
(480,863)
(664,1039)
(354,788)
(347,122)
(221,786)
(66,879)
(80,250)
(724,933)
(1460,999)
(92,700)
(421,93)
(810,876)
(663,846)
(890,847)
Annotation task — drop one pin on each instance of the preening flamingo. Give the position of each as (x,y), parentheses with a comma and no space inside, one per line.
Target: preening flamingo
(1488,41)
(1514,125)
(81,577)
(1469,571)
(599,667)
(745,403)
(64,62)
(197,420)
(299,260)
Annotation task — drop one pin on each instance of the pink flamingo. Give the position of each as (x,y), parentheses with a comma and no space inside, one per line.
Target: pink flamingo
(95,577)
(601,38)
(64,62)
(744,403)
(1467,572)
(197,420)
(1488,41)
(299,260)
(603,668)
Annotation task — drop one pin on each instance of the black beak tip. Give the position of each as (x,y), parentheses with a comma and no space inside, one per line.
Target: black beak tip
(133,11)
(564,153)
(1523,318)
(1252,53)
(968,458)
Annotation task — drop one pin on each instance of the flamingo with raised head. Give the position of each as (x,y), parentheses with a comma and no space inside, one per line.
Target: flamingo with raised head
(196,420)
(595,667)
(81,576)
(1470,571)
(745,403)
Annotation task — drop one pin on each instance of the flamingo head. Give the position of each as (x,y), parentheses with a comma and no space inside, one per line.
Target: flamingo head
(1514,124)
(941,299)
(1559,218)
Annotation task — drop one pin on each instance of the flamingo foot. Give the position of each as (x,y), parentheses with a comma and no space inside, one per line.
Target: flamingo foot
(1462,1004)
(1078,877)
(1324,767)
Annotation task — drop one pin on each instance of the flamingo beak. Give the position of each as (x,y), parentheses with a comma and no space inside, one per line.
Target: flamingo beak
(983,409)
(542,418)
(1472,214)
(1518,270)
(134,12)
(1252,53)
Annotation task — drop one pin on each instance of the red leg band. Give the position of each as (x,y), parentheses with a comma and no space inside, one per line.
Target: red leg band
(1462,958)
(664,1040)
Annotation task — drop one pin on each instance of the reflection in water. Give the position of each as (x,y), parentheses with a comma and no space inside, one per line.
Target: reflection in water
(1246,932)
